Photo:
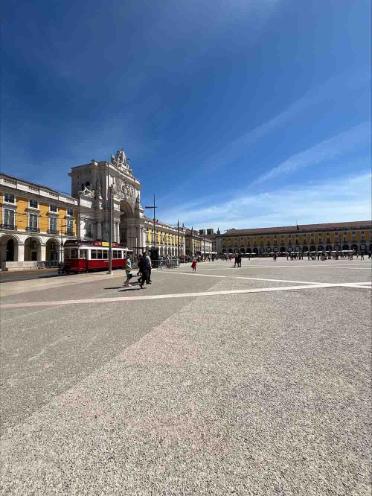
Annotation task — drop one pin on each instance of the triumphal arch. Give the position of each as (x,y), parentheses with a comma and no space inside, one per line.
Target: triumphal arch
(92,184)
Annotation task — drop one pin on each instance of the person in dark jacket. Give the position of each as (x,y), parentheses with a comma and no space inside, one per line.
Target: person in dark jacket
(144,268)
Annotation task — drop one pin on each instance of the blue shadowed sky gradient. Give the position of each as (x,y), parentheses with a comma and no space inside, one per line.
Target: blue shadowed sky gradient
(236,113)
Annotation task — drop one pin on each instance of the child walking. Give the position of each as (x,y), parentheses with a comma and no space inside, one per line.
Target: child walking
(193,265)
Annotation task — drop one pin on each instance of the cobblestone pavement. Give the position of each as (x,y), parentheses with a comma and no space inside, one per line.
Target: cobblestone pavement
(251,381)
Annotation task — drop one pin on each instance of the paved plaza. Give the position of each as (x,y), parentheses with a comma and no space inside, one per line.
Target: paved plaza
(246,381)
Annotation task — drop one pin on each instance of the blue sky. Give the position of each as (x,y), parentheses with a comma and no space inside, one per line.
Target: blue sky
(236,113)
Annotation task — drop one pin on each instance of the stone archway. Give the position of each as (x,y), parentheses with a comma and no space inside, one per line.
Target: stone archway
(8,249)
(52,249)
(32,249)
(126,224)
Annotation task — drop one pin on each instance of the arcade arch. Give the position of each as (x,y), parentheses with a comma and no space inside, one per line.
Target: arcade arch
(33,249)
(52,250)
(126,215)
(9,248)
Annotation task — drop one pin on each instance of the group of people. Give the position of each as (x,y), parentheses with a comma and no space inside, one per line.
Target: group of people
(144,270)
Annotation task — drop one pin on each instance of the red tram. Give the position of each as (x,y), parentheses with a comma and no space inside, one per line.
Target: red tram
(83,256)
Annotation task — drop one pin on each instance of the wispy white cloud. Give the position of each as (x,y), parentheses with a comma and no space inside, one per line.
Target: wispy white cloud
(316,95)
(343,199)
(235,149)
(326,150)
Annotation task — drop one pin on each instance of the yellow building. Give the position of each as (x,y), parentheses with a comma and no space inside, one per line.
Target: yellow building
(198,244)
(169,240)
(355,236)
(35,221)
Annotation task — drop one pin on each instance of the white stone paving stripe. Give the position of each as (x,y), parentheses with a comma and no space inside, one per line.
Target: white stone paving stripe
(198,274)
(122,299)
(274,266)
(366,284)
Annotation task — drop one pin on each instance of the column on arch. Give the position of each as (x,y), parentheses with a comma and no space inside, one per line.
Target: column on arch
(21,252)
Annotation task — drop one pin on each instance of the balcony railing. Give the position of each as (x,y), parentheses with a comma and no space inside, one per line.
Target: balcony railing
(32,229)
(10,227)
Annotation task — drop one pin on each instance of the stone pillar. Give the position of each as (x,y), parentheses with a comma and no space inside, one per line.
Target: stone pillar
(20,252)
(61,255)
(114,234)
(117,235)
(42,253)
(99,230)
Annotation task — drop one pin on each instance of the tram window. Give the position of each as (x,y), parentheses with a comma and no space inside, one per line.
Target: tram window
(94,254)
(74,253)
(105,254)
(83,254)
(114,254)
(99,254)
(120,254)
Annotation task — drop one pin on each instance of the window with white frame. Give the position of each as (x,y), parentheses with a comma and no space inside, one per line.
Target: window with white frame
(34,204)
(53,208)
(9,218)
(70,226)
(33,222)
(53,224)
(9,198)
(70,211)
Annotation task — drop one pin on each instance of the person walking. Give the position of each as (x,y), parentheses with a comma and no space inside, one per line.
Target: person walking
(128,268)
(143,266)
(193,265)
(149,264)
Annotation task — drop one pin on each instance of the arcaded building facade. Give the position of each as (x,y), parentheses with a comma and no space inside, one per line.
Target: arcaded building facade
(35,221)
(355,236)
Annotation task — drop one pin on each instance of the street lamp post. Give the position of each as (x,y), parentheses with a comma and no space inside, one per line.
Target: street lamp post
(178,239)
(110,227)
(61,247)
(61,242)
(192,242)
(153,207)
